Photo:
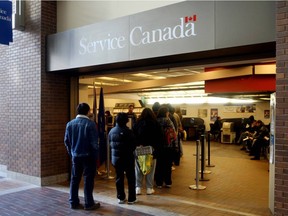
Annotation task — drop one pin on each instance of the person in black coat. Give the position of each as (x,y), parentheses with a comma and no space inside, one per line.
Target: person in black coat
(148,132)
(123,145)
(165,158)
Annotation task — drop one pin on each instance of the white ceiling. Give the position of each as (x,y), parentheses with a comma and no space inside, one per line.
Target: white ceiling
(164,82)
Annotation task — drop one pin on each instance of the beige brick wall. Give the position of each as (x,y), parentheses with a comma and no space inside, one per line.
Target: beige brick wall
(34,105)
(4,110)
(54,105)
(281,147)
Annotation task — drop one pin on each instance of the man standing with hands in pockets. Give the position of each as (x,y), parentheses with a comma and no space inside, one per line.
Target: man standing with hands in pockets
(81,141)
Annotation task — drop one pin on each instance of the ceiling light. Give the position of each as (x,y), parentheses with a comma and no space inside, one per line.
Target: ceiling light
(199,100)
(267,99)
(114,79)
(200,83)
(148,76)
(141,75)
(103,84)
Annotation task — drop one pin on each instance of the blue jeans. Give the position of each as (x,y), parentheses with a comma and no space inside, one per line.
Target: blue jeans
(149,178)
(85,166)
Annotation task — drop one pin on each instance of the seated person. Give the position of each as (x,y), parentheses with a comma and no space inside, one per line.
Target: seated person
(259,140)
(249,132)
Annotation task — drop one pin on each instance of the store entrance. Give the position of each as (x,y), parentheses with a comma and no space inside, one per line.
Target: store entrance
(184,88)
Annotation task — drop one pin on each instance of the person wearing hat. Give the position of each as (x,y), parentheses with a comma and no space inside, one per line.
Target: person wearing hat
(123,144)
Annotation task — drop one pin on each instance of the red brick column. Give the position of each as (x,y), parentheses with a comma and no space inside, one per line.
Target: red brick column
(281,141)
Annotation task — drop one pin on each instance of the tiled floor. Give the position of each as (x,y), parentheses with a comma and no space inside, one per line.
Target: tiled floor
(235,186)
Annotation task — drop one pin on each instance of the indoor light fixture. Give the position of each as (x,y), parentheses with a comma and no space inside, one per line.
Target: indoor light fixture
(198,100)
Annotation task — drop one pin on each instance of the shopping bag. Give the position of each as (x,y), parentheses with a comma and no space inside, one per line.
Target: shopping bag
(145,163)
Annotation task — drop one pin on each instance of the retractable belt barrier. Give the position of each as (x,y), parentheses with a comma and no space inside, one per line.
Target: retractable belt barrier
(208,143)
(197,186)
(202,171)
(107,164)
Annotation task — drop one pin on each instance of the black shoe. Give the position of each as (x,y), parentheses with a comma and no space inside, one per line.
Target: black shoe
(78,206)
(243,149)
(93,207)
(255,158)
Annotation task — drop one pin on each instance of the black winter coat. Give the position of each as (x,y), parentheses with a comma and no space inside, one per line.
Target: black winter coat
(122,143)
(149,133)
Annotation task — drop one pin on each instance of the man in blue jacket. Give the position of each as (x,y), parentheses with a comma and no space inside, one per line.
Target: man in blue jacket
(81,141)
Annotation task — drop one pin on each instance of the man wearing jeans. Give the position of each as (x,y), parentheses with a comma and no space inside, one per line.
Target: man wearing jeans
(81,141)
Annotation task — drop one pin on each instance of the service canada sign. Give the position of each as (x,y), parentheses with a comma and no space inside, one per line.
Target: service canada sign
(5,22)
(139,36)
(174,29)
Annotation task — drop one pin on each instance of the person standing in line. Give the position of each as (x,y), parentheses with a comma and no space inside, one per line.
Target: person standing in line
(123,145)
(163,172)
(155,108)
(81,141)
(148,133)
(176,152)
(132,115)
(179,132)
(108,121)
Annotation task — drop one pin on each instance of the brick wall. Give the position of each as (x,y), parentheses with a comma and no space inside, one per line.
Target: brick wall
(281,146)
(4,111)
(54,104)
(23,96)
(34,105)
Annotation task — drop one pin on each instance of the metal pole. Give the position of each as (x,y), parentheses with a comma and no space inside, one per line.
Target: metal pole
(202,171)
(197,186)
(208,138)
(108,161)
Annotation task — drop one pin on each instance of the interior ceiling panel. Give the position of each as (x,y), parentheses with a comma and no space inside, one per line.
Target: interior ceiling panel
(177,79)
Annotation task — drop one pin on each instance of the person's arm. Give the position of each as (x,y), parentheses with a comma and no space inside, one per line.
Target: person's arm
(67,141)
(93,137)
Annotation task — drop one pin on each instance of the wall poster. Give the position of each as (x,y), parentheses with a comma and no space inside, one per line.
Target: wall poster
(251,108)
(213,114)
(266,114)
(183,110)
(202,113)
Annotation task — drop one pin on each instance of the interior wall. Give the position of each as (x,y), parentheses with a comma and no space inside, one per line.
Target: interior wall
(193,110)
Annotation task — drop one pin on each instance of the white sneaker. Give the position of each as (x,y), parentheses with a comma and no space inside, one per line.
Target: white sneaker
(173,168)
(150,191)
(121,201)
(138,190)
(132,202)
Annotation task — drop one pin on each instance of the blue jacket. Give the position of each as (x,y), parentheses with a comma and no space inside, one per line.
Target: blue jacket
(123,144)
(81,137)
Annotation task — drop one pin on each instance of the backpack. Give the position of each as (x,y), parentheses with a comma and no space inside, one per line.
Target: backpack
(170,137)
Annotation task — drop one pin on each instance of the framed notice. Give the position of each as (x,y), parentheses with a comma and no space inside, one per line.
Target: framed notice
(266,114)
(213,114)
(202,113)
